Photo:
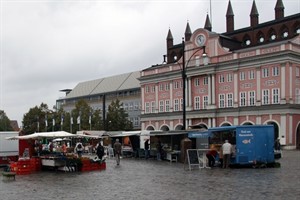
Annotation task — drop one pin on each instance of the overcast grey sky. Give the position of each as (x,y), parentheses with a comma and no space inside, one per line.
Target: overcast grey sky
(49,45)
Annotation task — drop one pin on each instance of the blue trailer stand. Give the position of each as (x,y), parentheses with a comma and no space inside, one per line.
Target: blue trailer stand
(252,144)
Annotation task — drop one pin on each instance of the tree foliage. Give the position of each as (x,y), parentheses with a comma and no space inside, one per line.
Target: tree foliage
(82,117)
(117,118)
(4,122)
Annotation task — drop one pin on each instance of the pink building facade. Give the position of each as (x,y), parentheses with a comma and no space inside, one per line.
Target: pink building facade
(228,84)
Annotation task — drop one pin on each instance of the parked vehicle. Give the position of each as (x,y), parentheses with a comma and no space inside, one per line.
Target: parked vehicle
(9,149)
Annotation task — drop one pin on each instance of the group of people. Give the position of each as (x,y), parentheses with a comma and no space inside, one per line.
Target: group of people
(224,155)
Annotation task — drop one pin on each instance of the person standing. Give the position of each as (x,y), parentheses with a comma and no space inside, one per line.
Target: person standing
(226,150)
(147,149)
(118,150)
(211,156)
(100,150)
(158,149)
(79,149)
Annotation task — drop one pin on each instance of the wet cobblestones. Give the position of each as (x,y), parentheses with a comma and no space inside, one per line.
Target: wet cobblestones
(160,180)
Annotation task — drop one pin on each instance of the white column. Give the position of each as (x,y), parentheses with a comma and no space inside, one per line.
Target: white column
(214,122)
(282,88)
(189,94)
(236,94)
(143,100)
(290,129)
(213,90)
(171,97)
(236,121)
(156,99)
(258,88)
(282,131)
(291,83)
(209,90)
(258,119)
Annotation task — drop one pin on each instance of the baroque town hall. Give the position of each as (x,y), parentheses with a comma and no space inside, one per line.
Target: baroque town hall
(241,77)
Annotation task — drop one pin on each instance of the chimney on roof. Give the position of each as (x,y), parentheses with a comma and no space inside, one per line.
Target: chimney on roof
(229,18)
(254,15)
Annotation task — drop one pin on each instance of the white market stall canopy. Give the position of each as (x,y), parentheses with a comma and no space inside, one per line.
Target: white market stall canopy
(56,134)
(92,134)
(163,133)
(129,133)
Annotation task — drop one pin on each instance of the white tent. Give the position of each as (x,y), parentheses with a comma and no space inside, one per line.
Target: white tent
(56,134)
(91,134)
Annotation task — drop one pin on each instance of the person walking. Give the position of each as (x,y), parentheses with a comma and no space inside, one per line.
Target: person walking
(226,150)
(147,149)
(118,150)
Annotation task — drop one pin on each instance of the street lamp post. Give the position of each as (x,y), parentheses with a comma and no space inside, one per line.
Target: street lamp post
(183,71)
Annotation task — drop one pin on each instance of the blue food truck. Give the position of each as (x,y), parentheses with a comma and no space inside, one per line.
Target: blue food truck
(252,144)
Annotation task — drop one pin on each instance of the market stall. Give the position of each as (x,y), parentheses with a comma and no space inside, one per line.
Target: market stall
(53,158)
(170,143)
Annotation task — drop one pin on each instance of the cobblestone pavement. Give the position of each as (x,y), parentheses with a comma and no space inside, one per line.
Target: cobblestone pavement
(160,180)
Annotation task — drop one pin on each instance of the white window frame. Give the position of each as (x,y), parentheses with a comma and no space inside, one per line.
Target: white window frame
(197,103)
(265,97)
(275,71)
(197,81)
(265,72)
(147,107)
(176,104)
(167,86)
(221,78)
(161,87)
(181,104)
(229,77)
(147,90)
(243,99)
(297,71)
(205,101)
(161,105)
(242,76)
(153,88)
(251,74)
(221,100)
(176,85)
(152,106)
(297,96)
(167,105)
(205,80)
(229,100)
(275,96)
(251,96)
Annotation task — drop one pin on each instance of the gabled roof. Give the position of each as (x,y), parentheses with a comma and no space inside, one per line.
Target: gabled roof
(106,85)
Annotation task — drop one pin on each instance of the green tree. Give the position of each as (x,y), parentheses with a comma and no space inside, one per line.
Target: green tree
(117,118)
(35,119)
(87,118)
(4,122)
